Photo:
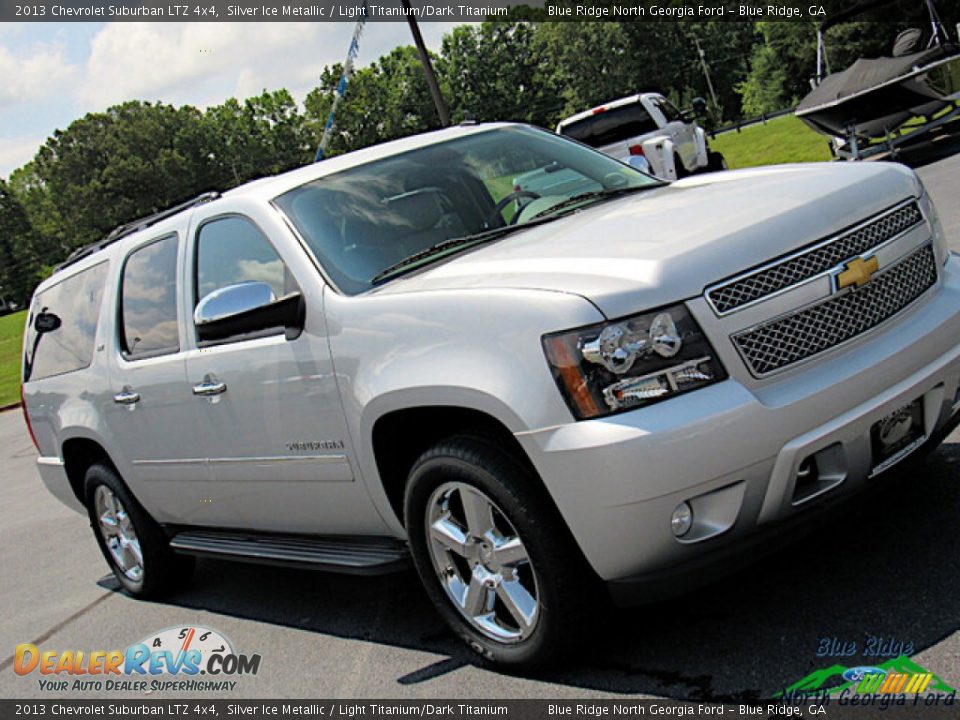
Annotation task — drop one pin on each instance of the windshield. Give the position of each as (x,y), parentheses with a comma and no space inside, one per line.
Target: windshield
(362,221)
(613,125)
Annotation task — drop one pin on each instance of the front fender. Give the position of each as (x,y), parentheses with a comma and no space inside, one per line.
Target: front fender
(472,349)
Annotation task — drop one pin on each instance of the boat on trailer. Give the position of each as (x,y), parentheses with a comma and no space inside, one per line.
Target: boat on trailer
(864,107)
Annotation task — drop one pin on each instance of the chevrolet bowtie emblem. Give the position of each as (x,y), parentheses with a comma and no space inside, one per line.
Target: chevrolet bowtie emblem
(857,272)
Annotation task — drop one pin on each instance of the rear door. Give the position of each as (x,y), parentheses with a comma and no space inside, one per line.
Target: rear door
(269,408)
(151,415)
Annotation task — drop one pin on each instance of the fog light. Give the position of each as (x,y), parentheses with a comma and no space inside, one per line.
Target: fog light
(681,520)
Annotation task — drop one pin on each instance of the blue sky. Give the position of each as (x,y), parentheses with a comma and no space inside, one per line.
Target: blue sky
(53,73)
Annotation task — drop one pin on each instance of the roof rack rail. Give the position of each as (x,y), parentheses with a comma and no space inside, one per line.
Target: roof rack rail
(122,231)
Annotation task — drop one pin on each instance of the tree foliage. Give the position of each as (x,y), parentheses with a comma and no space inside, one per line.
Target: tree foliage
(388,99)
(499,71)
(19,249)
(781,67)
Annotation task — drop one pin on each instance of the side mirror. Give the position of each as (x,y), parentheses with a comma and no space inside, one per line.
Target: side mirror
(248,307)
(46,322)
(232,300)
(699,107)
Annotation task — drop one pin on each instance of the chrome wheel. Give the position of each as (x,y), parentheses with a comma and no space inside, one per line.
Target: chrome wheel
(118,534)
(482,563)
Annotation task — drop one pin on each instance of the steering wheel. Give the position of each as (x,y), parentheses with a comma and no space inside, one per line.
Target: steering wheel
(515,195)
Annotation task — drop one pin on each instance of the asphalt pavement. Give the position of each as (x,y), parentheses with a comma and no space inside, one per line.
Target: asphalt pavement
(885,568)
(939,168)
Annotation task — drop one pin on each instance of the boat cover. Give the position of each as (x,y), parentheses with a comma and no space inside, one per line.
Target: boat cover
(868,73)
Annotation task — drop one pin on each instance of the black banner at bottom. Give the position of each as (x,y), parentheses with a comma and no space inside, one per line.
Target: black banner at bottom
(889,706)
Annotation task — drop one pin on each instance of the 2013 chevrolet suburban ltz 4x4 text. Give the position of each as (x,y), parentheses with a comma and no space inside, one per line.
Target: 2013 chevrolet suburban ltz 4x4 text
(379,355)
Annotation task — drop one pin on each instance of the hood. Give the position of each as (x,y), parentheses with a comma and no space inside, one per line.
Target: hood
(667,244)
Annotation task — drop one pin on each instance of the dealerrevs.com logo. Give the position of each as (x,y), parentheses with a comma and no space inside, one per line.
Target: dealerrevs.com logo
(185,658)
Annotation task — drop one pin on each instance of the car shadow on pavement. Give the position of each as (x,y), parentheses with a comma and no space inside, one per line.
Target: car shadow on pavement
(942,144)
(883,567)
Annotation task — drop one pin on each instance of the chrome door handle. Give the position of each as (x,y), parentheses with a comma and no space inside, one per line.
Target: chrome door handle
(208,388)
(126,397)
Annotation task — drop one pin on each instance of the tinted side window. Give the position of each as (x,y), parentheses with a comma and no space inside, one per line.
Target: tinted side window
(233,250)
(148,300)
(63,324)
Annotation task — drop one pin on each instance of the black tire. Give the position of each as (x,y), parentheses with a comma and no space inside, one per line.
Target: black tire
(679,167)
(715,161)
(163,571)
(564,581)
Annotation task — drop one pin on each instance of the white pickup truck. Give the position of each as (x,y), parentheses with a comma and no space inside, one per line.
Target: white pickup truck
(648,132)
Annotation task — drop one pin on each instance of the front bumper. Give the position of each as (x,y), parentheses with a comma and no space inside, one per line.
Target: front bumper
(734,452)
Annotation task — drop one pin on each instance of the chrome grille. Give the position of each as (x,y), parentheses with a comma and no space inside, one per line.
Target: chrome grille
(801,267)
(788,340)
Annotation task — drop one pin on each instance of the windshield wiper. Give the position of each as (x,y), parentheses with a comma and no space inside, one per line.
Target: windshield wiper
(450,244)
(466,241)
(605,194)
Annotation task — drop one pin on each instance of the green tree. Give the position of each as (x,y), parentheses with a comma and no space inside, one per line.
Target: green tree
(498,71)
(264,135)
(108,168)
(727,47)
(781,67)
(138,158)
(384,101)
(589,62)
(21,249)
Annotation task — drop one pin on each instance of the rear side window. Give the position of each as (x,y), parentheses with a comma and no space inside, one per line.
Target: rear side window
(148,301)
(63,324)
(668,109)
(613,125)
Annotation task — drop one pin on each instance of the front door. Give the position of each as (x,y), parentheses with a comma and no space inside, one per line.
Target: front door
(681,131)
(277,444)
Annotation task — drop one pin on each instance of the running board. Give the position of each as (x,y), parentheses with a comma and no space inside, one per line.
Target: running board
(352,555)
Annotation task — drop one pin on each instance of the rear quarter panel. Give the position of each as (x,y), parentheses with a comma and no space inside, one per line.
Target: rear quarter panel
(69,406)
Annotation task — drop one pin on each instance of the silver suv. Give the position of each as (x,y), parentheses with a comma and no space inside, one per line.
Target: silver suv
(393,354)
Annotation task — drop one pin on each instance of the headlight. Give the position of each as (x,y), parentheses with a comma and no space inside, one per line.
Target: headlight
(628,363)
(933,217)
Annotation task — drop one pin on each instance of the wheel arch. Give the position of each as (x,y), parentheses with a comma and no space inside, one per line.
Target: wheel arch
(79,453)
(400,436)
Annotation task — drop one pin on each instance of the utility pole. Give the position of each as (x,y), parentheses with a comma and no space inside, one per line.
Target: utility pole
(432,83)
(706,71)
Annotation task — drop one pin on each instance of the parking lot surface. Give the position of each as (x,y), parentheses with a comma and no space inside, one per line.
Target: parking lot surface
(885,567)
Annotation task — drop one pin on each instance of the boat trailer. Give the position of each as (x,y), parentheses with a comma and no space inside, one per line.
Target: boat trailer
(850,147)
